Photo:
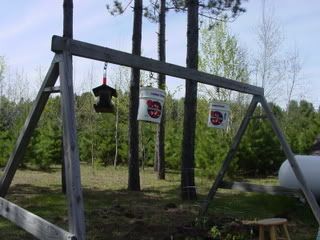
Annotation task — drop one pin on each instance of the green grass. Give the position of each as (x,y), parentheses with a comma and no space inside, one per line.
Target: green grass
(112,212)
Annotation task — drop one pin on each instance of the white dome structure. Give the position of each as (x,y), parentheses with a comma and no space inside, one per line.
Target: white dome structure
(310,168)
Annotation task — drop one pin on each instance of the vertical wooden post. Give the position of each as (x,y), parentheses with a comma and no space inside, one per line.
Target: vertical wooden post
(63,168)
(71,151)
(68,18)
(28,128)
(230,155)
(67,32)
(292,160)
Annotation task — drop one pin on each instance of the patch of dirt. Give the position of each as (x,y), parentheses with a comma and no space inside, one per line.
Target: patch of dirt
(166,223)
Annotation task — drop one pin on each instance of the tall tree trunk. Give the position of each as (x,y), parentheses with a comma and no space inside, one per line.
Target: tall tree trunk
(188,190)
(116,135)
(160,152)
(93,131)
(134,178)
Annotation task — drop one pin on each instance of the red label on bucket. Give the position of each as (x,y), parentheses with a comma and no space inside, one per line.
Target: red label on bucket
(154,109)
(216,118)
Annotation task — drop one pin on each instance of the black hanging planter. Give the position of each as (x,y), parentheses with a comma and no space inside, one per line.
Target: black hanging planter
(104,93)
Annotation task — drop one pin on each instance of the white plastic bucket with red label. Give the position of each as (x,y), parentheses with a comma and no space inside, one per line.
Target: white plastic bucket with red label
(218,115)
(151,104)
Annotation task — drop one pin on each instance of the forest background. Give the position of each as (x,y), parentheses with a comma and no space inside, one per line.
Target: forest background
(103,138)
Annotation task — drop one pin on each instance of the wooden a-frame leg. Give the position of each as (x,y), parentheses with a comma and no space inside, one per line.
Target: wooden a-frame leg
(261,232)
(230,155)
(273,234)
(292,160)
(28,128)
(71,150)
(286,232)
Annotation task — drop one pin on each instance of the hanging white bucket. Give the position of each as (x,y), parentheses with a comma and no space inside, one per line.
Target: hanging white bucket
(218,115)
(151,104)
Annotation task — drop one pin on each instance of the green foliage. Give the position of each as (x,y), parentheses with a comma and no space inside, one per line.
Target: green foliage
(46,144)
(2,69)
(215,232)
(302,124)
(220,9)
(259,152)
(220,53)
(174,115)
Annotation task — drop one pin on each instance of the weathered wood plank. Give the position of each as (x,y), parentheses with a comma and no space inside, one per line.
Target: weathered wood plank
(52,89)
(28,128)
(86,50)
(250,187)
(68,18)
(292,160)
(71,150)
(32,223)
(230,155)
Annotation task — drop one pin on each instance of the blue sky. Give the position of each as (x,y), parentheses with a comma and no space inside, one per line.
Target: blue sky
(27,27)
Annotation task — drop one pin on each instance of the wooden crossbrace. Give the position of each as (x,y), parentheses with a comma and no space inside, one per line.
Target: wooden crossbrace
(32,223)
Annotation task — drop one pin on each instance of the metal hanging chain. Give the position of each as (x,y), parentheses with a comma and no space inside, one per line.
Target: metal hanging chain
(104,80)
(151,75)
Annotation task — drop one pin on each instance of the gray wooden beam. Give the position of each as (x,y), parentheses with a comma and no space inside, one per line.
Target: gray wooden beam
(230,155)
(71,150)
(32,223)
(250,187)
(292,160)
(68,18)
(52,89)
(86,50)
(28,128)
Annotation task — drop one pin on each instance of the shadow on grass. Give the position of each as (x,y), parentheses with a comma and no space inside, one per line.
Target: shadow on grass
(109,214)
(154,213)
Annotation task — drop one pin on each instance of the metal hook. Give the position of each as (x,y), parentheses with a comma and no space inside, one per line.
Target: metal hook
(151,75)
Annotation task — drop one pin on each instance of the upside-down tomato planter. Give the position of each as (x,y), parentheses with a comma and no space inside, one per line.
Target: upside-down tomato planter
(151,104)
(218,115)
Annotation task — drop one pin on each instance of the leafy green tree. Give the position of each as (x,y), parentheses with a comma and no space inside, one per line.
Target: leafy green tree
(2,70)
(302,126)
(220,54)
(45,147)
(260,152)
(174,113)
(6,124)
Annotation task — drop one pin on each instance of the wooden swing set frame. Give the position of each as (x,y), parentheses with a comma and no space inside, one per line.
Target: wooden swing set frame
(61,66)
